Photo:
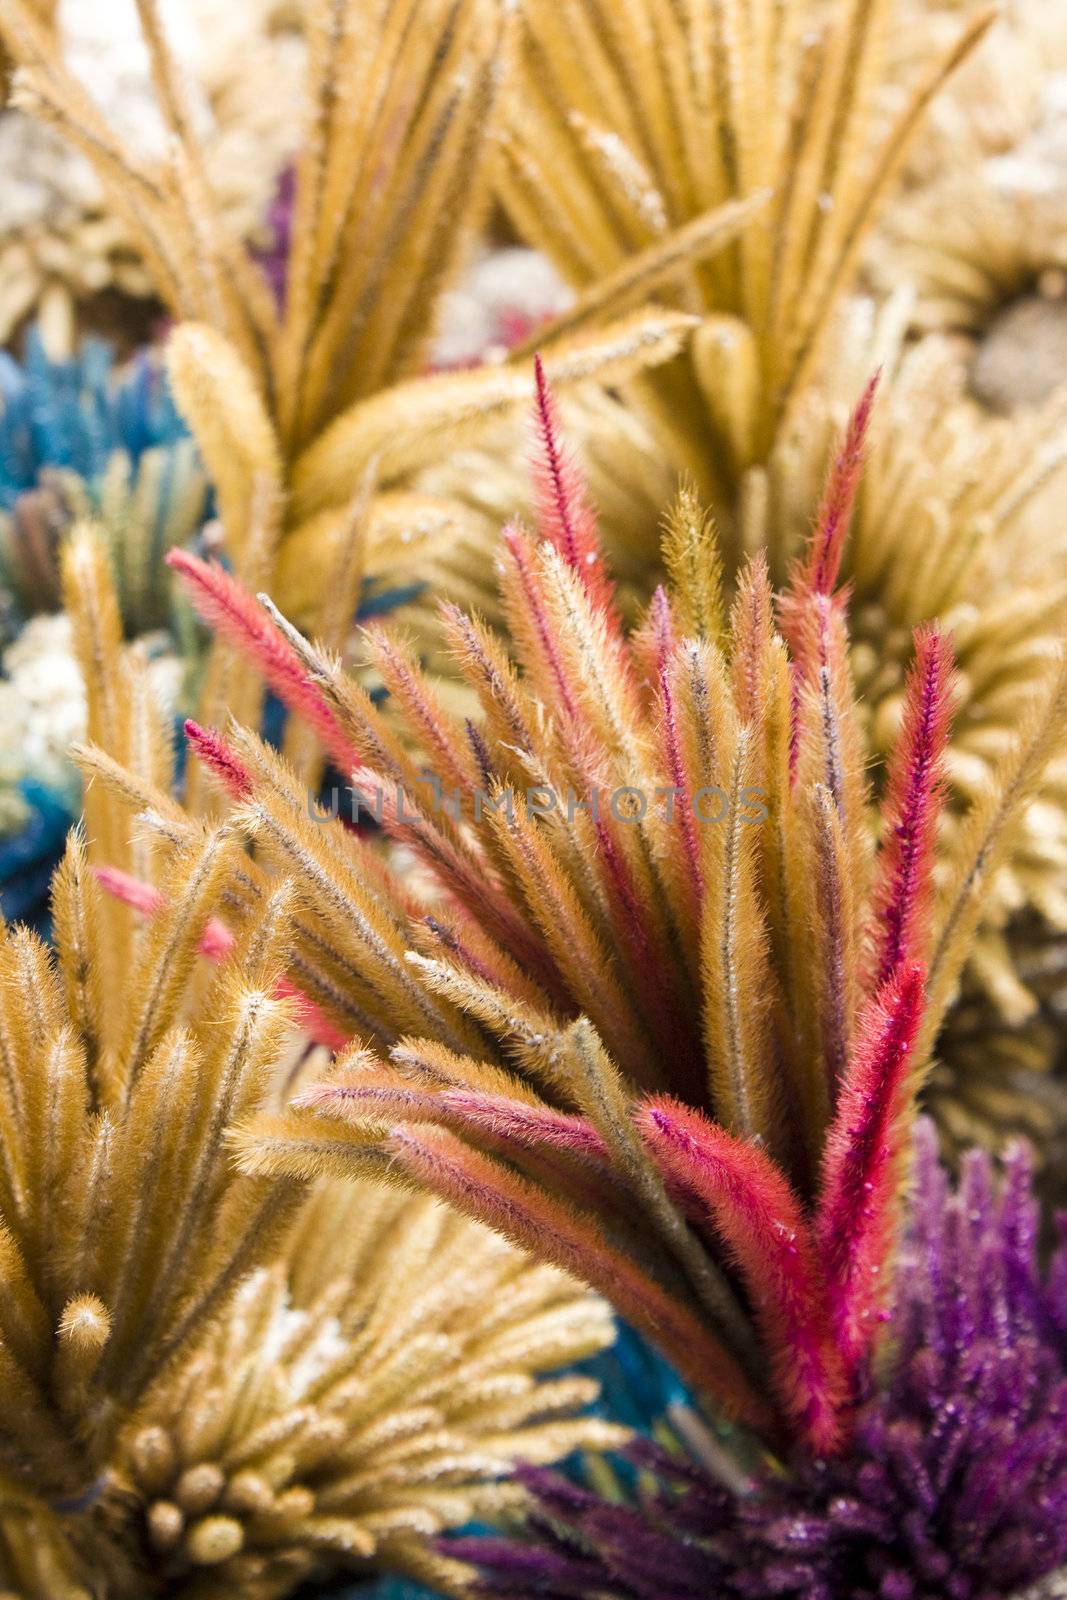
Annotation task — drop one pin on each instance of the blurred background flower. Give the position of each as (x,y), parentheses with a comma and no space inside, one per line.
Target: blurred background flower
(65,253)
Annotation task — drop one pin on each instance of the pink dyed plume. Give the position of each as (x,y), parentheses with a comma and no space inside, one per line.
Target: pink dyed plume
(823,565)
(217,756)
(509,1126)
(910,812)
(564,515)
(511,1205)
(143,897)
(313,1021)
(216,943)
(751,1207)
(510,1122)
(666,644)
(861,1165)
(518,547)
(232,612)
(816,575)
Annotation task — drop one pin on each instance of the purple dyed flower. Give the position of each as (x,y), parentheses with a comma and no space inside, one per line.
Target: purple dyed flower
(273,257)
(953,1485)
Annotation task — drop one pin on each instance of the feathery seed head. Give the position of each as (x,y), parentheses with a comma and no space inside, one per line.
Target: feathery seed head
(674,885)
(953,1485)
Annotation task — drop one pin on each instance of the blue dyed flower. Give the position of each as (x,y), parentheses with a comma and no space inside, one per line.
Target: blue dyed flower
(75,413)
(78,438)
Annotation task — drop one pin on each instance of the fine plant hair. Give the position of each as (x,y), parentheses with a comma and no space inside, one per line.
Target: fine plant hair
(315,417)
(678,1059)
(953,1486)
(636,118)
(294,405)
(212,1382)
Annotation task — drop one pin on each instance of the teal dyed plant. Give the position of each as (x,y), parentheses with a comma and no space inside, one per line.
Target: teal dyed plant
(78,439)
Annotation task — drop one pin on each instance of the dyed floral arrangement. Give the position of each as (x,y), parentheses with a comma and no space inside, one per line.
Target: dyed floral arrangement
(705,1125)
(954,1479)
(211,1382)
(619,974)
(78,440)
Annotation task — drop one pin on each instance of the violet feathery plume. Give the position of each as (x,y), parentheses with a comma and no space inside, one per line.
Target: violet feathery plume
(952,1484)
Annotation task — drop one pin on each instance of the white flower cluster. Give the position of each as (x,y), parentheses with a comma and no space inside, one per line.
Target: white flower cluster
(42,709)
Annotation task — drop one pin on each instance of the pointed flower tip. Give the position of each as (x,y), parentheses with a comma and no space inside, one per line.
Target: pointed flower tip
(191,568)
(934,645)
(857,429)
(865,404)
(314,1096)
(516,547)
(143,897)
(266,640)
(758,567)
(821,571)
(220,759)
(564,514)
(932,634)
(662,617)
(658,1110)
